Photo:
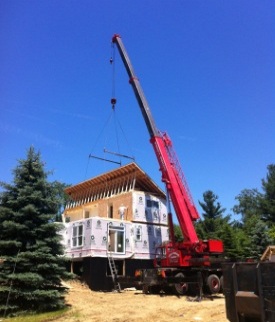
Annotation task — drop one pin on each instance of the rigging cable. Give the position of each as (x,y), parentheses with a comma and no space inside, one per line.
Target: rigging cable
(113,99)
(97,139)
(113,102)
(113,115)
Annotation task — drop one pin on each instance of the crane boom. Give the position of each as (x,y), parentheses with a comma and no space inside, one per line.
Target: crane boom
(172,175)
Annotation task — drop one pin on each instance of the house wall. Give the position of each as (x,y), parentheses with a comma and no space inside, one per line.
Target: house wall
(136,204)
(144,226)
(139,239)
(149,209)
(101,208)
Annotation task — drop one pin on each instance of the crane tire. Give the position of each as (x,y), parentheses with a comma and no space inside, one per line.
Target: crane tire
(180,288)
(213,284)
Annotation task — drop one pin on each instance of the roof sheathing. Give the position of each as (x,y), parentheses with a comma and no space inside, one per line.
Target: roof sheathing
(143,181)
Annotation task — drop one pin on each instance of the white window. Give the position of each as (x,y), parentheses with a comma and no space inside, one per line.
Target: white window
(138,233)
(77,237)
(117,239)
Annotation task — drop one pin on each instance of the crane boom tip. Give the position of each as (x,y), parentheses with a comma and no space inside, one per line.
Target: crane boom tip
(115,36)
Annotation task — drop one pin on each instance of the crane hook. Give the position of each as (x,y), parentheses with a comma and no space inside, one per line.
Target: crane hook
(113,102)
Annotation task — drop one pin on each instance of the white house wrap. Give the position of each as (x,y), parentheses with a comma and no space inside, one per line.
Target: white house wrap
(121,212)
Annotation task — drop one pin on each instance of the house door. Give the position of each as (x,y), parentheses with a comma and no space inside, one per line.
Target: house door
(116,240)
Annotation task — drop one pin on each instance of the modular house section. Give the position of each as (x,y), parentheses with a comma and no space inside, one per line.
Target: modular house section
(122,213)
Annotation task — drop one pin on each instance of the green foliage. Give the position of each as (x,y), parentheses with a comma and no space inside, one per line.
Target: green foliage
(178,233)
(257,211)
(61,197)
(249,201)
(211,226)
(211,207)
(257,236)
(30,244)
(271,234)
(227,235)
(268,200)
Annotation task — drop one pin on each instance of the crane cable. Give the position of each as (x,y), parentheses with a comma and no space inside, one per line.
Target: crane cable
(114,100)
(113,97)
(112,114)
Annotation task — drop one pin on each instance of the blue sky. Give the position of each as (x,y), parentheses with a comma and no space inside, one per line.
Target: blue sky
(206,67)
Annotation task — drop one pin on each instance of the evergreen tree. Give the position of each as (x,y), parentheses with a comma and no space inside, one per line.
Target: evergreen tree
(178,233)
(268,200)
(211,210)
(271,234)
(229,242)
(212,223)
(32,263)
(259,238)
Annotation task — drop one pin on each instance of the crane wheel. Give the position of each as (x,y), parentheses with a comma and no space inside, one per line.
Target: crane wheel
(180,288)
(213,283)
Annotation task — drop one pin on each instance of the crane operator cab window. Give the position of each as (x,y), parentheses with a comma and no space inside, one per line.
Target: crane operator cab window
(160,252)
(160,255)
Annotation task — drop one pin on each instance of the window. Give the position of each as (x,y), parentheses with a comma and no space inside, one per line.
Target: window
(152,203)
(77,238)
(117,239)
(160,252)
(110,210)
(138,233)
(87,214)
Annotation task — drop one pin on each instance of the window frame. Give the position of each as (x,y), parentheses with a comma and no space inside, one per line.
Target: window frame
(77,235)
(138,237)
(113,241)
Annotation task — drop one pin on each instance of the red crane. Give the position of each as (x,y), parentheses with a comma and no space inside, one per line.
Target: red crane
(192,251)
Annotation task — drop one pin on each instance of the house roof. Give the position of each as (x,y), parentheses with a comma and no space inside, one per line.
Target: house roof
(124,178)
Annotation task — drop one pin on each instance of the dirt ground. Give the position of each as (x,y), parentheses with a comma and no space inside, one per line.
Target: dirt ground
(133,306)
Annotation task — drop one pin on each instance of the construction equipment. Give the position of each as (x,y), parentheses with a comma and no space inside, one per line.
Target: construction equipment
(176,262)
(249,290)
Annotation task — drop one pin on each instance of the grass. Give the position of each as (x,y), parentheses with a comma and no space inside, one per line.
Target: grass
(41,317)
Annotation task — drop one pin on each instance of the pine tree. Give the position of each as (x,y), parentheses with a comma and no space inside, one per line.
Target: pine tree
(211,225)
(259,238)
(32,263)
(268,200)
